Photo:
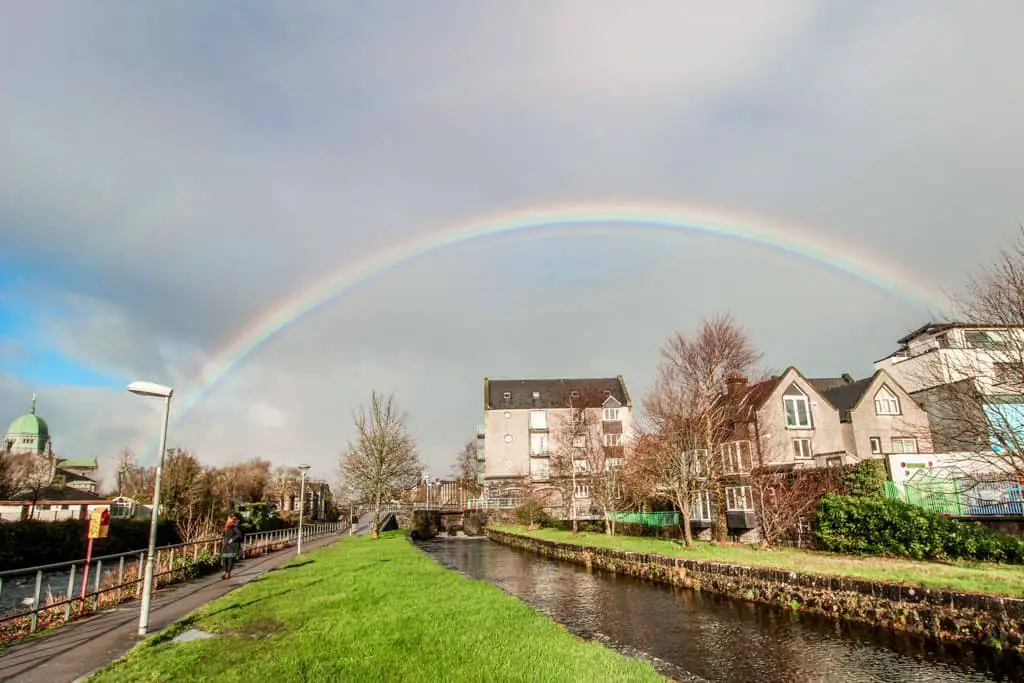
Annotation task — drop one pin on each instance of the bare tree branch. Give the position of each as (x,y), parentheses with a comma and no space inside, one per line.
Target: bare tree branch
(382,460)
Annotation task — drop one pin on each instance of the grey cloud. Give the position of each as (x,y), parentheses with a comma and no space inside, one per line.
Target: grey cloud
(184,170)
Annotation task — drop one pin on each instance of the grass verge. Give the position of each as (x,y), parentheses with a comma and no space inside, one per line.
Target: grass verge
(366,610)
(976,577)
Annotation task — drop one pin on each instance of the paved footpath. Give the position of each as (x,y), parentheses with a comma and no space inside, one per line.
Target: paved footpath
(72,652)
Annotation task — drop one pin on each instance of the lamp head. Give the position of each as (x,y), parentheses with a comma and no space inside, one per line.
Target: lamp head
(150,389)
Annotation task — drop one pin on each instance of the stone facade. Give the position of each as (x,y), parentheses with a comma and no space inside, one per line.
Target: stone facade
(966,618)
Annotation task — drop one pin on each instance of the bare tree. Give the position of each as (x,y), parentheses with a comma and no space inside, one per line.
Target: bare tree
(466,467)
(586,463)
(31,475)
(975,391)
(382,460)
(692,413)
(786,498)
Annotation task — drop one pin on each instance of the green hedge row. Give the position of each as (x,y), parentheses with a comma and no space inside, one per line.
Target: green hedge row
(31,543)
(880,526)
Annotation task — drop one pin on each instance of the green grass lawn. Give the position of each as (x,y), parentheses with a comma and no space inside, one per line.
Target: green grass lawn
(982,577)
(366,610)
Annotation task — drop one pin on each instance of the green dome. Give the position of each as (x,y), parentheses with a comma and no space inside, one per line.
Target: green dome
(30,424)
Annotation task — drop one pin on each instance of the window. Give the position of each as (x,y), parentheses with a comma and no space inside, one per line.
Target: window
(836,461)
(802,449)
(582,491)
(613,439)
(735,457)
(538,444)
(702,507)
(538,419)
(579,442)
(798,408)
(539,469)
(536,395)
(697,460)
(980,339)
(581,466)
(876,445)
(574,394)
(612,464)
(886,402)
(737,498)
(507,396)
(611,414)
(904,445)
(1007,374)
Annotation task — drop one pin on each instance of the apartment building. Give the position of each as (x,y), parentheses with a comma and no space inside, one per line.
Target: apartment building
(968,378)
(523,419)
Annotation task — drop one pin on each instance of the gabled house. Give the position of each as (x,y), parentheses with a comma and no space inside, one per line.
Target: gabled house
(878,417)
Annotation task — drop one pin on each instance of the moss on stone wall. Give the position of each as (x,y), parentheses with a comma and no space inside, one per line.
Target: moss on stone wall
(974,618)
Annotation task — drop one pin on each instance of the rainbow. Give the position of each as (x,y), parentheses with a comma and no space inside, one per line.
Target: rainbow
(844,256)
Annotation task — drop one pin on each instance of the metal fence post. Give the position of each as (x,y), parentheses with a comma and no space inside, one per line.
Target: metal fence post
(96,584)
(71,591)
(138,574)
(35,601)
(120,578)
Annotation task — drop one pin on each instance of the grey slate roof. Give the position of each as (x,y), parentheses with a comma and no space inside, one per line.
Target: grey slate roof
(553,393)
(844,397)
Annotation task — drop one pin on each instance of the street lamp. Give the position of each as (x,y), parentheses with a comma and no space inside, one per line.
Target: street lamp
(159,391)
(302,504)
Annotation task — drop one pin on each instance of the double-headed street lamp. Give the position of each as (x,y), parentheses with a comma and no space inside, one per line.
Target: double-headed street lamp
(159,391)
(302,504)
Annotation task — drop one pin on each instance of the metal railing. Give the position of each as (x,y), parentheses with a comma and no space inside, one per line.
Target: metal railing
(493,503)
(955,498)
(657,519)
(54,593)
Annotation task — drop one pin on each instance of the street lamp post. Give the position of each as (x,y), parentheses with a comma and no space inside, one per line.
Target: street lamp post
(302,504)
(159,391)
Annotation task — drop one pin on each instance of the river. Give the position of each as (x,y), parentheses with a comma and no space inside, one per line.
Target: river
(702,637)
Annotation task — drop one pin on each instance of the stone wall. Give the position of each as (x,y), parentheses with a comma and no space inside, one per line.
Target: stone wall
(971,618)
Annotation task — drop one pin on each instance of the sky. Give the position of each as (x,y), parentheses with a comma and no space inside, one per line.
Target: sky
(174,176)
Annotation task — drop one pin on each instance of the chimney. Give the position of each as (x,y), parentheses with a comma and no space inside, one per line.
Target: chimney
(848,378)
(736,386)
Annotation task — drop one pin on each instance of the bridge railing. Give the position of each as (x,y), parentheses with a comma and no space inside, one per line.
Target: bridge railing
(54,593)
(493,503)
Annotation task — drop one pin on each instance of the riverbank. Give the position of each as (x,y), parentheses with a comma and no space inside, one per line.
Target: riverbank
(962,576)
(838,590)
(365,609)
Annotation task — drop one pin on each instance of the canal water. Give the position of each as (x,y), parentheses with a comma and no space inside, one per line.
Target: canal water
(696,636)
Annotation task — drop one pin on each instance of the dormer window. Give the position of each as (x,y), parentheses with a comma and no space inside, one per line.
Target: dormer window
(507,395)
(886,402)
(798,408)
(536,395)
(574,394)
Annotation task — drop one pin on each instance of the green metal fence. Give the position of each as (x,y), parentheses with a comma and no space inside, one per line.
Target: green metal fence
(648,518)
(938,495)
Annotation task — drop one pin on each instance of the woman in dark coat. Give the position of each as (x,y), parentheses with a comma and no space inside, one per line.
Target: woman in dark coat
(230,546)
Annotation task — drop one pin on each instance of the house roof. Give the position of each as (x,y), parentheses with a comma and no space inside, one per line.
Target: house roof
(846,396)
(553,393)
(78,463)
(57,495)
(823,384)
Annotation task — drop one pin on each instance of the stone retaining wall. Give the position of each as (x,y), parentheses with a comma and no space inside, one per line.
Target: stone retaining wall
(973,618)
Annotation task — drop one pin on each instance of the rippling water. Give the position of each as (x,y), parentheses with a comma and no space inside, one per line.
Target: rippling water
(710,637)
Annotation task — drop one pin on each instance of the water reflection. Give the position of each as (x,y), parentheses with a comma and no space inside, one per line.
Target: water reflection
(709,636)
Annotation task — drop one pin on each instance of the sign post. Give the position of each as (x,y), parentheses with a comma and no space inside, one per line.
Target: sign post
(99,527)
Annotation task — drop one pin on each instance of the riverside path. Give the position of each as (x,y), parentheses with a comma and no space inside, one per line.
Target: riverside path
(73,652)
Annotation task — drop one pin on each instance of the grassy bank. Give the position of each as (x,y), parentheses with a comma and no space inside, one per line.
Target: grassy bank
(979,577)
(365,610)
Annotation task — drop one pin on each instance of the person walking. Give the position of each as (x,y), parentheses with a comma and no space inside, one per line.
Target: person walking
(230,546)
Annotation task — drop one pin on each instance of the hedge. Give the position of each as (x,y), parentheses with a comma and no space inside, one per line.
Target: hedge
(880,526)
(32,543)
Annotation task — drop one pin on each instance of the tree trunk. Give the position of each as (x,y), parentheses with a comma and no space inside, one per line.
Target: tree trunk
(721,526)
(684,516)
(376,517)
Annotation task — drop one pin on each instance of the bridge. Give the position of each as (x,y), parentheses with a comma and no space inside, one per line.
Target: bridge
(445,508)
